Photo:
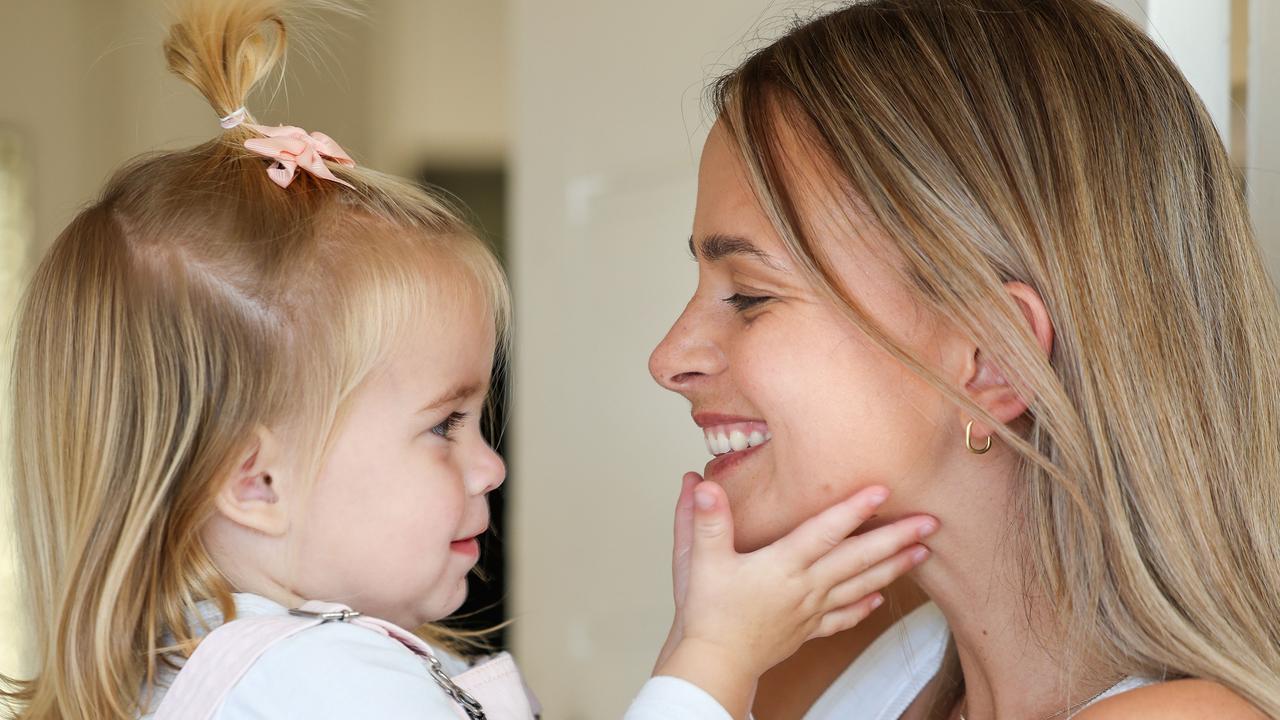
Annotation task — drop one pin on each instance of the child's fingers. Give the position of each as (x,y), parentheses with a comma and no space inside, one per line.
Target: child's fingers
(684,514)
(843,618)
(819,534)
(683,542)
(877,577)
(856,554)
(712,523)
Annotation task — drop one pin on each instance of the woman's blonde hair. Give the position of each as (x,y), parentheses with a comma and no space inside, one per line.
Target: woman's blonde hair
(1051,142)
(194,300)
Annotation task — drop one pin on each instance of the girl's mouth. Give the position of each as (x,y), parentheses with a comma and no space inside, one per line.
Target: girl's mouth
(468,546)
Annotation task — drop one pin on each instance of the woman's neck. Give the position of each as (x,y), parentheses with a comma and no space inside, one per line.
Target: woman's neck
(1010,653)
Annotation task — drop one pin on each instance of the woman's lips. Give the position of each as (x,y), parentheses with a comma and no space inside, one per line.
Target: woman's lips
(728,461)
(731,438)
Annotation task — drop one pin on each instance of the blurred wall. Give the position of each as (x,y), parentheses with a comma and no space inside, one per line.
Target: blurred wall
(83,87)
(1263,131)
(609,124)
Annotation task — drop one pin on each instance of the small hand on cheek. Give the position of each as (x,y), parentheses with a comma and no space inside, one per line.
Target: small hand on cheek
(737,615)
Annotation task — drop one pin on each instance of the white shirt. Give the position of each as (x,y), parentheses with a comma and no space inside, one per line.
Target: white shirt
(886,678)
(882,682)
(337,670)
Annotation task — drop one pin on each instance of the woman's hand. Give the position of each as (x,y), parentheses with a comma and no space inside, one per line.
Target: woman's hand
(737,615)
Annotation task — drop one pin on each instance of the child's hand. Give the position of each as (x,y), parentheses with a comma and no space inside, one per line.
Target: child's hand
(737,615)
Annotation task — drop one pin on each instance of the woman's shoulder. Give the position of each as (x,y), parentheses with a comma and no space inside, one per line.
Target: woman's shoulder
(336,670)
(1189,699)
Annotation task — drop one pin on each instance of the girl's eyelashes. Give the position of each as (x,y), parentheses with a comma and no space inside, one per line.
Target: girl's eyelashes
(742,302)
(445,429)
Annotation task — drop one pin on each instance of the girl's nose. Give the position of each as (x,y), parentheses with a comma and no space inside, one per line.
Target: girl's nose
(688,353)
(488,473)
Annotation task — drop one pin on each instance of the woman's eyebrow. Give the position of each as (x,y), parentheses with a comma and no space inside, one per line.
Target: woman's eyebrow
(718,246)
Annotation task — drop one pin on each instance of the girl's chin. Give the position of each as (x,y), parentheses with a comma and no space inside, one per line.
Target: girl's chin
(442,602)
(459,597)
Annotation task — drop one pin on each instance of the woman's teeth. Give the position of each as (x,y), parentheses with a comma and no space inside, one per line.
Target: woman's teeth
(723,439)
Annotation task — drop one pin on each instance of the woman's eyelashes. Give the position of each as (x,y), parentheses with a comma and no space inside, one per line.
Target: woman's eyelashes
(741,302)
(446,428)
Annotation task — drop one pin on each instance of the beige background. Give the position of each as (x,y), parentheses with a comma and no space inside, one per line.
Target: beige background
(597,107)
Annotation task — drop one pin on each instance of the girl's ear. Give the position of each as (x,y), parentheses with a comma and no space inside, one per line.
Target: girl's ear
(986,383)
(251,495)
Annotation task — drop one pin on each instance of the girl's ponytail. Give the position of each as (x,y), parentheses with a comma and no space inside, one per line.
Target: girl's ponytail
(225,49)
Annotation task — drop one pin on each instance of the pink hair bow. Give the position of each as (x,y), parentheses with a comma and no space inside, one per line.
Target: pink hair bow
(292,148)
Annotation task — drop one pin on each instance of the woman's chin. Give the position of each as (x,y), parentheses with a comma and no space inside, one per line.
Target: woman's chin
(753,531)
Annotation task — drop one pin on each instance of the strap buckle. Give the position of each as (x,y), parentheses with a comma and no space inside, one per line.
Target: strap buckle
(329,616)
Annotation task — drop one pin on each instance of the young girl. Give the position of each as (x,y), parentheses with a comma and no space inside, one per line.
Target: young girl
(247,387)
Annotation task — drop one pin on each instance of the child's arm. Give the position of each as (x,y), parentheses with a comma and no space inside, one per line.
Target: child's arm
(737,615)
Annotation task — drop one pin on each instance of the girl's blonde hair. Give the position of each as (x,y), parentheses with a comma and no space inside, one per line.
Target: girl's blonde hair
(1051,142)
(194,300)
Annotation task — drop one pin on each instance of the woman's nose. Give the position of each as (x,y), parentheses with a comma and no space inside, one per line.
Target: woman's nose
(688,353)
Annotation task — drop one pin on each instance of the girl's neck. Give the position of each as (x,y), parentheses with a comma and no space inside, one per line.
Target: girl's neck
(1010,654)
(229,546)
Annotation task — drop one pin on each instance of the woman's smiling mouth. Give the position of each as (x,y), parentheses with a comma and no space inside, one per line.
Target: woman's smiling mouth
(731,439)
(735,437)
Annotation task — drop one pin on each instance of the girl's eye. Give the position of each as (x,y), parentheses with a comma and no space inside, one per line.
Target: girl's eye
(742,302)
(451,423)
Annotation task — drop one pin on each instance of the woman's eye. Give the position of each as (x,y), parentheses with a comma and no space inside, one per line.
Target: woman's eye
(742,302)
(451,423)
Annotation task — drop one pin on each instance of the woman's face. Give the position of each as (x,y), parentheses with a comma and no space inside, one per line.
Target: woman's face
(773,367)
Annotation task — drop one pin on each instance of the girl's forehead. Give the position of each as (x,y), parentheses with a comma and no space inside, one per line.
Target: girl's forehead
(431,358)
(459,326)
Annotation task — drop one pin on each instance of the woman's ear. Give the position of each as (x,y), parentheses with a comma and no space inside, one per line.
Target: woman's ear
(251,496)
(986,382)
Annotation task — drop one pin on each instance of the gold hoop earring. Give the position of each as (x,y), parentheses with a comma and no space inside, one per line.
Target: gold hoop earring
(968,440)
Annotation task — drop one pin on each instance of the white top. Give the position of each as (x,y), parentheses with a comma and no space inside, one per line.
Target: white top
(882,682)
(336,670)
(1125,685)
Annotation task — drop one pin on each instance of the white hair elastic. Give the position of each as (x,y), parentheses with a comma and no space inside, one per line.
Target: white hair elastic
(235,118)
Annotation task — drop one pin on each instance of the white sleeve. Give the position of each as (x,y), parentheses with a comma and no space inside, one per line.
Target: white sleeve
(671,698)
(337,670)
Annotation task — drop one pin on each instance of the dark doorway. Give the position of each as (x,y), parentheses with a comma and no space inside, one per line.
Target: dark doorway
(481,192)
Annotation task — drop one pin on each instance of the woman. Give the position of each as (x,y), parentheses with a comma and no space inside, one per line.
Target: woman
(992,254)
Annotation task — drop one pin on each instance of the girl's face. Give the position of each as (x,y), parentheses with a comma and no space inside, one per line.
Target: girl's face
(391,524)
(770,365)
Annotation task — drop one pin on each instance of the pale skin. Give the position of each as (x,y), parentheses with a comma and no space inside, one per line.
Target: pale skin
(407,477)
(388,526)
(756,341)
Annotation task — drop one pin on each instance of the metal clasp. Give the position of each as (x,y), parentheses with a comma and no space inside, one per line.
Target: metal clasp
(330,616)
(469,704)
